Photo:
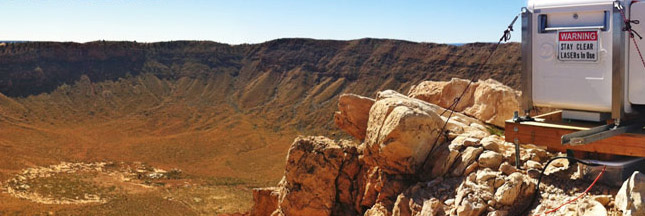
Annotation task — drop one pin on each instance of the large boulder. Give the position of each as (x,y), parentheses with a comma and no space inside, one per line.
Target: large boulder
(488,100)
(631,196)
(494,102)
(401,132)
(405,100)
(353,113)
(310,184)
(444,93)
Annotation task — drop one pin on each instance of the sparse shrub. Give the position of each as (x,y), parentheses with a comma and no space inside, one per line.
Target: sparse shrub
(495,131)
(174,174)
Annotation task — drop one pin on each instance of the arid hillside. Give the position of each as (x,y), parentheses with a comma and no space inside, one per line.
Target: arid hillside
(224,115)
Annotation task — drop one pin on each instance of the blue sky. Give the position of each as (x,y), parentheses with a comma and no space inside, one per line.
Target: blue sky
(255,21)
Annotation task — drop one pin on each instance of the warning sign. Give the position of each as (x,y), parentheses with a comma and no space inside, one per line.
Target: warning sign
(578,46)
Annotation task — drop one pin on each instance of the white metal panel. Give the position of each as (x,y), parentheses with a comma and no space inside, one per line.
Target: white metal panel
(567,84)
(585,116)
(539,4)
(584,18)
(636,72)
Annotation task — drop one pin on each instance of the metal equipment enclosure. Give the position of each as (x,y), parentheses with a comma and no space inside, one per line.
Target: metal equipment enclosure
(583,57)
(577,56)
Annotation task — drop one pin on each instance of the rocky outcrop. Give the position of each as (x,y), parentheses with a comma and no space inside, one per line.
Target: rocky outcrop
(400,134)
(403,145)
(353,113)
(380,188)
(319,180)
(444,93)
(494,102)
(406,167)
(486,100)
(631,196)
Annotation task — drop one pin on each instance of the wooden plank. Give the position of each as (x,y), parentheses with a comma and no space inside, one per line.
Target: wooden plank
(551,116)
(549,135)
(558,126)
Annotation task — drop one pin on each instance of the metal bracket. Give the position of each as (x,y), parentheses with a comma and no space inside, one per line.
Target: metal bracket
(517,118)
(599,133)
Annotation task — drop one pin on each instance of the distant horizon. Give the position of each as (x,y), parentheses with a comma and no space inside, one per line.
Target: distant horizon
(135,41)
(256,21)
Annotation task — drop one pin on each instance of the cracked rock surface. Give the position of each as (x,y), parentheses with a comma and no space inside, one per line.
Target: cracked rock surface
(400,164)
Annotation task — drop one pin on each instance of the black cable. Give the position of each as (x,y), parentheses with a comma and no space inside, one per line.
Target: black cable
(537,186)
(506,36)
(475,74)
(456,101)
